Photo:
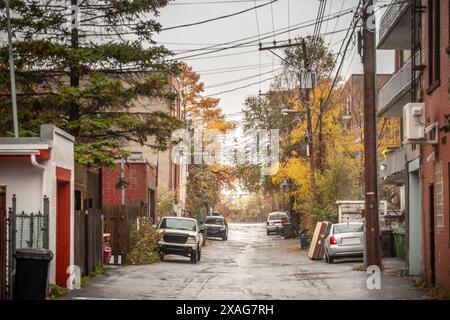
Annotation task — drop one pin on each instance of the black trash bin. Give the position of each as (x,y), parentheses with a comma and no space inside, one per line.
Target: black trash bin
(387,243)
(31,274)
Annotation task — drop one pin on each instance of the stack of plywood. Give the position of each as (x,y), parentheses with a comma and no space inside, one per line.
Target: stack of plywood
(315,250)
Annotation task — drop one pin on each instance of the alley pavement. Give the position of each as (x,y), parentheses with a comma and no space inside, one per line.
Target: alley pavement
(250,265)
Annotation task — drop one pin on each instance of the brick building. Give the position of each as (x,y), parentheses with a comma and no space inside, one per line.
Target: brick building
(139,179)
(419,32)
(435,158)
(148,170)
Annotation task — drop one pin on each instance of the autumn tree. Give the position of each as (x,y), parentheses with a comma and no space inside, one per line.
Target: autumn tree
(75,68)
(205,181)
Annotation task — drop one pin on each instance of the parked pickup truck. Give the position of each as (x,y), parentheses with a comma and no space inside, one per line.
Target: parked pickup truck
(180,236)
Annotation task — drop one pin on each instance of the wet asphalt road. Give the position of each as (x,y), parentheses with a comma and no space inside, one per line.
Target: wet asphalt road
(250,265)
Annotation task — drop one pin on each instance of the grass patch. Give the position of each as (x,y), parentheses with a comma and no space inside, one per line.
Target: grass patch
(56,291)
(360,267)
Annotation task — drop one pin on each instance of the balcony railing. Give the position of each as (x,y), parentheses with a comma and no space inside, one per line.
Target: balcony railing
(395,9)
(393,165)
(398,85)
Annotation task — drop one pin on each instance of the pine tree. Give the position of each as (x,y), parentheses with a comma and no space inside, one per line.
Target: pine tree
(80,65)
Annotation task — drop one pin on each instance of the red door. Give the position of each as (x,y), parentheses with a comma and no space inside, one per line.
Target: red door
(62,226)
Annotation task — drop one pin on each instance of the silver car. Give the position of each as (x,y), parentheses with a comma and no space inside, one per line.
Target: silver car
(344,240)
(275,221)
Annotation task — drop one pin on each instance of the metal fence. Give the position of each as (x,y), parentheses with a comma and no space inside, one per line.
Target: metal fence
(32,229)
(25,230)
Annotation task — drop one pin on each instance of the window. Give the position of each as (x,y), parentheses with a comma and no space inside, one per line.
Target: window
(434,44)
(439,195)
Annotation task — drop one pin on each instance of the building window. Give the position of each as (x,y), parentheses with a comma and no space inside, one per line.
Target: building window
(434,44)
(439,195)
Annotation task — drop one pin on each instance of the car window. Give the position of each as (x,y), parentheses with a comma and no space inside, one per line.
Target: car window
(180,224)
(346,228)
(277,216)
(214,221)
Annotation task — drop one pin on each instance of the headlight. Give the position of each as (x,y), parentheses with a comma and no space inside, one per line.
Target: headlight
(191,240)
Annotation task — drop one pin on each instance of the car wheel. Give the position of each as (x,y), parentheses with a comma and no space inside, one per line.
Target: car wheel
(330,260)
(326,258)
(268,233)
(194,256)
(161,256)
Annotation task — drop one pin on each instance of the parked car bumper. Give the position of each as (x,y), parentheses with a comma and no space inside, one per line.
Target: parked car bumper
(216,233)
(345,251)
(177,248)
(274,228)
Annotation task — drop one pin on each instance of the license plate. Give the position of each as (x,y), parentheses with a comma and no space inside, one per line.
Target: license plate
(278,223)
(351,241)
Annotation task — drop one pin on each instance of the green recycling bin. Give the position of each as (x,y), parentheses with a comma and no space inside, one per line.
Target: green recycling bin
(399,239)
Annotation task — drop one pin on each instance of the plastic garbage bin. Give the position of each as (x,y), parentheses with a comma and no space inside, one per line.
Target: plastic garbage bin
(387,243)
(31,274)
(399,237)
(303,239)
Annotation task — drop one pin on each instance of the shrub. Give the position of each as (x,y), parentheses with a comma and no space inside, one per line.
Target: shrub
(143,242)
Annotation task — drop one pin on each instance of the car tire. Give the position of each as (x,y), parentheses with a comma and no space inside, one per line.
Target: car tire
(194,256)
(330,260)
(268,233)
(199,254)
(161,256)
(326,258)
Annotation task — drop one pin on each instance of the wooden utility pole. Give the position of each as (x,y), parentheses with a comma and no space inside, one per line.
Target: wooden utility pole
(372,243)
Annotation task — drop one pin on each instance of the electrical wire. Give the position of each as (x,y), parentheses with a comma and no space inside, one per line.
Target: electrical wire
(217,18)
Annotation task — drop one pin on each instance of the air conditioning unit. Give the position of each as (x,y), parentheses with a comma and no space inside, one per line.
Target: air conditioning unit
(413,123)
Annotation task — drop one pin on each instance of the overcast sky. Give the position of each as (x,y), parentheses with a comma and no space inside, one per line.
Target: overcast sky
(264,21)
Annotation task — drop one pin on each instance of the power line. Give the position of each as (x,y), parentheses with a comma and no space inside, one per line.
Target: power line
(280,31)
(238,80)
(239,88)
(217,18)
(212,2)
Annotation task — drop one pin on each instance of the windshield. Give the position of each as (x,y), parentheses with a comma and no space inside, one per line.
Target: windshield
(180,224)
(277,216)
(347,228)
(214,221)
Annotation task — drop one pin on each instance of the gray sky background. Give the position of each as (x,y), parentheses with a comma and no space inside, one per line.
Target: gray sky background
(270,17)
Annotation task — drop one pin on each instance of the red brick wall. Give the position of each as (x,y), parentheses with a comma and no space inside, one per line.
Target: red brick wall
(437,105)
(136,175)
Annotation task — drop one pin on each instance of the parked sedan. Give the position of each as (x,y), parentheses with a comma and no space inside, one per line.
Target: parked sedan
(180,236)
(216,227)
(344,240)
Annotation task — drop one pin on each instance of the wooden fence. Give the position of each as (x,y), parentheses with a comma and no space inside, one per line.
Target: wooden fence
(3,251)
(88,239)
(118,221)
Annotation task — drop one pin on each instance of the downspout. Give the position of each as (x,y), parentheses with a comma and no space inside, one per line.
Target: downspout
(35,164)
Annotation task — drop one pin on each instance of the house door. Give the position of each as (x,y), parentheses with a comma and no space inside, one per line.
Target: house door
(431,232)
(62,231)
(3,213)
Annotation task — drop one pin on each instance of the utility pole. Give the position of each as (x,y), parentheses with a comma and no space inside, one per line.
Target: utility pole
(305,92)
(74,68)
(372,241)
(306,80)
(12,71)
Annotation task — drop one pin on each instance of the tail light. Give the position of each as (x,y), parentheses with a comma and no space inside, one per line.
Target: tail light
(332,240)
